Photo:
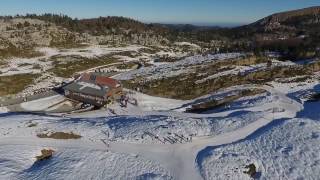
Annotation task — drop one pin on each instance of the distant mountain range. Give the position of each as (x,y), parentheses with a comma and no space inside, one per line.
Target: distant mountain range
(290,31)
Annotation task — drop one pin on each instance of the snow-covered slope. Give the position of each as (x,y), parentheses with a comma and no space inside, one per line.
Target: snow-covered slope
(75,163)
(175,68)
(158,140)
(287,150)
(42,104)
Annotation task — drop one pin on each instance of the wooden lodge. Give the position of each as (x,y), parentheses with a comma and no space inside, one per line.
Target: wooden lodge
(93,89)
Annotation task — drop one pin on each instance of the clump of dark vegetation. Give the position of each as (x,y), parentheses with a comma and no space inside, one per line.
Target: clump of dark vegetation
(99,26)
(167,59)
(314,98)
(204,106)
(32,125)
(252,170)
(295,80)
(213,104)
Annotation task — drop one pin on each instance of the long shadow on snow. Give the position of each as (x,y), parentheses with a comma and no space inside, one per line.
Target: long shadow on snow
(310,111)
(311,108)
(209,150)
(27,113)
(47,169)
(114,122)
(107,120)
(133,119)
(238,113)
(38,168)
(38,165)
(118,122)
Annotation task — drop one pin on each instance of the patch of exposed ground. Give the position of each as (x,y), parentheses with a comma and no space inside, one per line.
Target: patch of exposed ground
(67,66)
(45,154)
(15,84)
(59,135)
(191,85)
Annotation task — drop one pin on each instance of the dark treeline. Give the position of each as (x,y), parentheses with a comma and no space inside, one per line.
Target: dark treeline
(245,38)
(114,24)
(96,26)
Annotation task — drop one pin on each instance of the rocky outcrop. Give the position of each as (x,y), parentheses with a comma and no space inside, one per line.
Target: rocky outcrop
(282,20)
(23,33)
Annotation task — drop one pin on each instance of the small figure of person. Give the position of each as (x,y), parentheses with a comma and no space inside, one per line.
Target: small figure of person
(126,101)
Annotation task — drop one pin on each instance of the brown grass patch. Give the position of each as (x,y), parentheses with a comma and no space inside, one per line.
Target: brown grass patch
(63,67)
(23,53)
(184,86)
(60,135)
(128,65)
(45,154)
(15,84)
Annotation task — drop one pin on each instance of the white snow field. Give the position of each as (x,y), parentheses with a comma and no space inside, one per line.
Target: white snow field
(42,104)
(157,140)
(75,162)
(290,150)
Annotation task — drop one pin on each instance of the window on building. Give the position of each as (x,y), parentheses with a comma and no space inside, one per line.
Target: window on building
(93,78)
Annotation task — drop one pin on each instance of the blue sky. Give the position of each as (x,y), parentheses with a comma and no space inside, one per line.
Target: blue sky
(163,11)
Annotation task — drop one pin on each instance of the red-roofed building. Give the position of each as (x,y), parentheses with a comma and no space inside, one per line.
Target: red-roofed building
(93,89)
(100,80)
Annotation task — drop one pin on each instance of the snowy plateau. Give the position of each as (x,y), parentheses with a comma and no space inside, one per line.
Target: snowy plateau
(276,131)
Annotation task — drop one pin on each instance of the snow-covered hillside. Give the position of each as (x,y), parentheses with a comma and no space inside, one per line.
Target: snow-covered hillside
(176,68)
(262,122)
(188,103)
(157,140)
(75,162)
(287,149)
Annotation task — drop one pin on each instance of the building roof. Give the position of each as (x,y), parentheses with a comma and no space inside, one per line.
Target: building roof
(92,84)
(99,80)
(87,88)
